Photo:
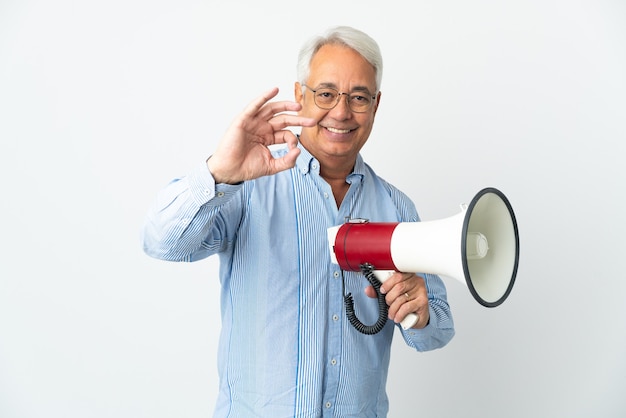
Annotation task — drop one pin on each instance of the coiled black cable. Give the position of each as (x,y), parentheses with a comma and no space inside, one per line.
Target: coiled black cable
(368,272)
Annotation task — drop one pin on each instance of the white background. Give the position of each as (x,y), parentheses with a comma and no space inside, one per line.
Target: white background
(102,103)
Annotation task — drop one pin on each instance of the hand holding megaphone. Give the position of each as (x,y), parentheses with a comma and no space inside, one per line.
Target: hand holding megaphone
(411,319)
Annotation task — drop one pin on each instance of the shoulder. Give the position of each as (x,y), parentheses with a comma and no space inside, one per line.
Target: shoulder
(404,204)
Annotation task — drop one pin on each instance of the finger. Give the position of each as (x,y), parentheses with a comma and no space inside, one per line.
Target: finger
(284,120)
(271,109)
(391,282)
(285,136)
(422,313)
(405,297)
(256,105)
(395,307)
(400,310)
(401,287)
(404,307)
(416,303)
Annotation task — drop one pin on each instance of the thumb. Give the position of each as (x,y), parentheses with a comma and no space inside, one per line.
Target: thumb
(370,292)
(287,161)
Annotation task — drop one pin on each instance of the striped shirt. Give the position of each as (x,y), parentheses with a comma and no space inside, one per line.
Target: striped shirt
(286,348)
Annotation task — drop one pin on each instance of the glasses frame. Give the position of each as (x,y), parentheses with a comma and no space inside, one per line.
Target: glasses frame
(339,94)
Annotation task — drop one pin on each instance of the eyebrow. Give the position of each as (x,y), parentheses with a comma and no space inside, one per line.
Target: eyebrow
(334,86)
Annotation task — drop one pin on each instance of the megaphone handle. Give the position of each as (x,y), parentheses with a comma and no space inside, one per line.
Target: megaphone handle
(409,320)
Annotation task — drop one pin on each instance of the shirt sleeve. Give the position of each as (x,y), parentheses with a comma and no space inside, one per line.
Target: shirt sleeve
(187,221)
(440,328)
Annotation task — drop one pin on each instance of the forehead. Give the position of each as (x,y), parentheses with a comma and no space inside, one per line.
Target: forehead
(341,67)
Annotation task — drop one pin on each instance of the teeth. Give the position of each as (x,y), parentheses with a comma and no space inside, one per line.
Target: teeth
(338,131)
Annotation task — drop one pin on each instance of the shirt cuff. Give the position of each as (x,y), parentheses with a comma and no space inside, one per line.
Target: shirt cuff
(204,189)
(421,336)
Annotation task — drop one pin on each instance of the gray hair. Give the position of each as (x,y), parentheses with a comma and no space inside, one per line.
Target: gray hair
(341,35)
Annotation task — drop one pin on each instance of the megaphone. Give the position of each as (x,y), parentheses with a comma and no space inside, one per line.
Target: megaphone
(478,247)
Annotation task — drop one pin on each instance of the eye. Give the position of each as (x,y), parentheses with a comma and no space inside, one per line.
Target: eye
(326,94)
(357,98)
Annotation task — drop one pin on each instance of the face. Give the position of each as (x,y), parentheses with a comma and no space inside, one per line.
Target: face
(340,133)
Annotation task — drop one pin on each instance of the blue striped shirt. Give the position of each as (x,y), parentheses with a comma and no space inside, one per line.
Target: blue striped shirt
(286,348)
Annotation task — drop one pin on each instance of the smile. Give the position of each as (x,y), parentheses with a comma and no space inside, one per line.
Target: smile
(338,131)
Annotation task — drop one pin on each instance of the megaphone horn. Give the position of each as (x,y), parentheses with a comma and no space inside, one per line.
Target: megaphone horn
(479,246)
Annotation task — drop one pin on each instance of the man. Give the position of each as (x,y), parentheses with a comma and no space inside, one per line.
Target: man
(286,349)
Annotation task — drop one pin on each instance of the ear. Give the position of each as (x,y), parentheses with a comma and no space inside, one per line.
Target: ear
(297,93)
(377,102)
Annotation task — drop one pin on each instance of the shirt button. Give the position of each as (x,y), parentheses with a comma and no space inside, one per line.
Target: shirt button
(328,405)
(336,274)
(207,191)
(335,317)
(333,362)
(220,194)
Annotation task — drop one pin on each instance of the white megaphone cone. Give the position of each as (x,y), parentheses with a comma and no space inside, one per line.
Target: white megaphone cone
(478,247)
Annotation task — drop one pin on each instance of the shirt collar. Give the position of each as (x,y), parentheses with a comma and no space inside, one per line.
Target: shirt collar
(306,163)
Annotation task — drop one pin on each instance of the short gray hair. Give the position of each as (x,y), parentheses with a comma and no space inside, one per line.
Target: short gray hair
(341,35)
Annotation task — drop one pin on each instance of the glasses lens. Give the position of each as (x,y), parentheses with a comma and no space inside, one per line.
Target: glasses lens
(360,102)
(326,98)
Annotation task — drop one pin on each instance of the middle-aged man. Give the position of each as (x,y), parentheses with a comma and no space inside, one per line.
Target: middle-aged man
(286,348)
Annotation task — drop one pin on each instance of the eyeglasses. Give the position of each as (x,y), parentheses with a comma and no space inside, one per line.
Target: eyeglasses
(327,98)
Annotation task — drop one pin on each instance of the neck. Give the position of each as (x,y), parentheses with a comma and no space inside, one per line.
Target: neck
(334,170)
(337,181)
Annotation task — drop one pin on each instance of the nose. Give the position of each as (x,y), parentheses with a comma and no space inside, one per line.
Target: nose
(342,108)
